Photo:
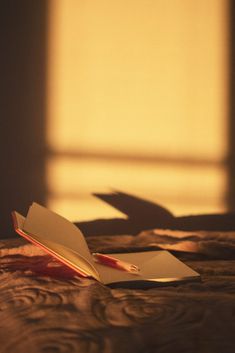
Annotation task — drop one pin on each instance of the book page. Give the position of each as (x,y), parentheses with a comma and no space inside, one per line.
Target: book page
(159,266)
(60,252)
(67,240)
(53,227)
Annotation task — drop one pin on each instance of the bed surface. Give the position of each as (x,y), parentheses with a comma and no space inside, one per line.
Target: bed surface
(45,307)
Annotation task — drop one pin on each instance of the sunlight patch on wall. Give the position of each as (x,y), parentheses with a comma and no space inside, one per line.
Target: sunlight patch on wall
(146,181)
(142,79)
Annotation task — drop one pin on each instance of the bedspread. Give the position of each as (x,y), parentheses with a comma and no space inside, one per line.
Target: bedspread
(45,307)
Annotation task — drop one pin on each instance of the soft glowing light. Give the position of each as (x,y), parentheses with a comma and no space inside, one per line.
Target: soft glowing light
(182,189)
(143,79)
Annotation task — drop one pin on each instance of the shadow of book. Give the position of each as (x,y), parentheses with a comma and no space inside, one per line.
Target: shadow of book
(143,215)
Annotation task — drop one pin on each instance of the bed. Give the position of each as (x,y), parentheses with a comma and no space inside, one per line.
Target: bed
(45,307)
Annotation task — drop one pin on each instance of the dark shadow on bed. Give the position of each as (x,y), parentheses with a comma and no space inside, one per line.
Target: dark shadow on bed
(143,215)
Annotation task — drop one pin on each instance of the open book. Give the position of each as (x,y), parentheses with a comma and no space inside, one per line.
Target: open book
(63,240)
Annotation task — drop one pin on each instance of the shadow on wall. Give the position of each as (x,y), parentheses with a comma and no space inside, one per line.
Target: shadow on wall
(22,128)
(144,215)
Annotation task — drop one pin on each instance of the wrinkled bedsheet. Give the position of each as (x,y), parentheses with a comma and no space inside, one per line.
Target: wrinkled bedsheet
(45,307)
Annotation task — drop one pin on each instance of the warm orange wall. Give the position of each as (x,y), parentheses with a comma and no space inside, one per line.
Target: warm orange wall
(138,88)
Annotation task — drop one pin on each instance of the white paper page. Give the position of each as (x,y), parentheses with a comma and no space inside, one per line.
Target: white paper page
(48,226)
(154,266)
(66,255)
(53,227)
